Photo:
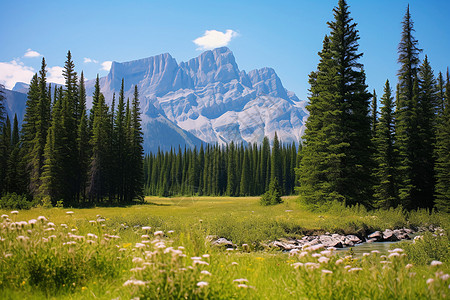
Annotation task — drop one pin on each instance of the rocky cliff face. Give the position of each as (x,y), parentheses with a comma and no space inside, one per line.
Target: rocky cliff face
(208,98)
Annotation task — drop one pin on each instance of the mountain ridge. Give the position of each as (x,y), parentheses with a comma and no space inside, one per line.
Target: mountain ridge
(206,99)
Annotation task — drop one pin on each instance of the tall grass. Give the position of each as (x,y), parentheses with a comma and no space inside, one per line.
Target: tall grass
(160,252)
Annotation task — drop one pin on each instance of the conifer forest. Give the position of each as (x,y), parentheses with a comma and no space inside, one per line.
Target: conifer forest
(357,149)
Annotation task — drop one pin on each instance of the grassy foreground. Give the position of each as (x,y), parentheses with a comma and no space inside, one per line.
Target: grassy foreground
(159,251)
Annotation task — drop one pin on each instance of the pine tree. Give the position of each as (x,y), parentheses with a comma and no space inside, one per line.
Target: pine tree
(97,180)
(121,142)
(41,121)
(5,151)
(406,119)
(336,159)
(245,176)
(15,174)
(276,163)
(427,108)
(137,150)
(442,166)
(386,190)
(374,113)
(231,180)
(2,105)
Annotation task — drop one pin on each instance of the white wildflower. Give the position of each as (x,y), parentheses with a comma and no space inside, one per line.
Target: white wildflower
(297,265)
(339,261)
(408,266)
(435,263)
(430,281)
(354,270)
(242,286)
(324,271)
(92,236)
(134,282)
(202,284)
(204,272)
(445,277)
(137,260)
(323,260)
(240,280)
(393,254)
(146,228)
(159,233)
(14,212)
(69,212)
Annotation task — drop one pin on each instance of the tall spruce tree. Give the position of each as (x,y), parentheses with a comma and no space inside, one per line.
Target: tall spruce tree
(336,160)
(427,108)
(374,111)
(121,144)
(406,119)
(442,166)
(5,151)
(386,155)
(137,150)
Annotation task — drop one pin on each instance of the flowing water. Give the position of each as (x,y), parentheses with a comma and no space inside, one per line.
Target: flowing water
(359,249)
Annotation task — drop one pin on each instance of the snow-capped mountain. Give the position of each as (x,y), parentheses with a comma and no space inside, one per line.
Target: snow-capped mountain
(208,98)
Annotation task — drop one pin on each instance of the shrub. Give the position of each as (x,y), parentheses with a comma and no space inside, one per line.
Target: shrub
(14,201)
(273,195)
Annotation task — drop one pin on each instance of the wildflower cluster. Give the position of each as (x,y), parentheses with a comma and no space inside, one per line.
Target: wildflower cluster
(324,274)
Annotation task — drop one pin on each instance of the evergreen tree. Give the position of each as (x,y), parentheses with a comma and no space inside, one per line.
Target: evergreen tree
(5,151)
(137,150)
(97,180)
(336,159)
(41,121)
(273,194)
(15,174)
(406,119)
(2,105)
(121,143)
(231,181)
(427,108)
(386,190)
(442,166)
(276,162)
(374,113)
(245,176)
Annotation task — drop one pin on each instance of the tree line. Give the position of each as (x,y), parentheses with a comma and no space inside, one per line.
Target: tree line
(65,155)
(355,154)
(233,170)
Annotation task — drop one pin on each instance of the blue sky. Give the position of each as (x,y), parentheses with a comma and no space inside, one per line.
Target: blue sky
(284,35)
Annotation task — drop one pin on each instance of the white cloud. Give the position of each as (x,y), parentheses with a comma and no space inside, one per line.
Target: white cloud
(31,53)
(55,75)
(212,39)
(14,71)
(106,65)
(90,60)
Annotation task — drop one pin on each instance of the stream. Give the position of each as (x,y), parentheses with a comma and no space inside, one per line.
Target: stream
(383,247)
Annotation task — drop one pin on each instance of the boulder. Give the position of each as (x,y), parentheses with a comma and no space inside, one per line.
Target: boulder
(284,246)
(371,240)
(223,242)
(377,235)
(389,236)
(329,241)
(351,240)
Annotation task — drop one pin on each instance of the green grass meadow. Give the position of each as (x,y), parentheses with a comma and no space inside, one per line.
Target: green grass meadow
(158,250)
